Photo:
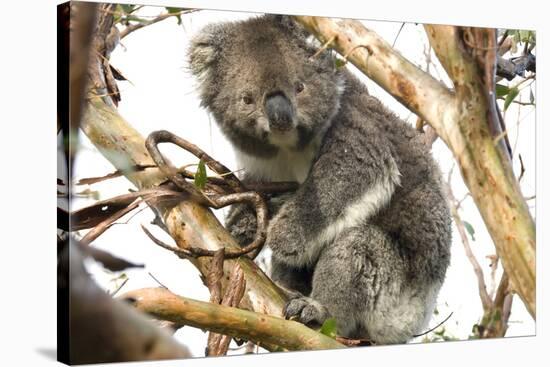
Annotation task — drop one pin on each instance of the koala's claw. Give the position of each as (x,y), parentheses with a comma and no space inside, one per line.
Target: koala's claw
(307,311)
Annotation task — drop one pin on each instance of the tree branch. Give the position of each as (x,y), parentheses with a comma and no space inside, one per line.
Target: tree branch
(105,330)
(189,223)
(134,27)
(486,301)
(417,90)
(460,118)
(265,330)
(219,343)
(486,170)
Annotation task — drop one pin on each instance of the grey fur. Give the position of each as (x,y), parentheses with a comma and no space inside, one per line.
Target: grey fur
(366,237)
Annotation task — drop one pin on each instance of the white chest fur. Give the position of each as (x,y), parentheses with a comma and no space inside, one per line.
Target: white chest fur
(287,165)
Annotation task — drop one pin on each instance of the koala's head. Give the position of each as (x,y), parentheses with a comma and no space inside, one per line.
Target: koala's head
(261,83)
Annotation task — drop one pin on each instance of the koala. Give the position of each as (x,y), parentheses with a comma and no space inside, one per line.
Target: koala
(366,236)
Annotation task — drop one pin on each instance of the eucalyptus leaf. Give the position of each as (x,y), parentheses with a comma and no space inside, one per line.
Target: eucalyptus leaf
(126,8)
(512,94)
(470,229)
(200,175)
(173,10)
(501,90)
(329,327)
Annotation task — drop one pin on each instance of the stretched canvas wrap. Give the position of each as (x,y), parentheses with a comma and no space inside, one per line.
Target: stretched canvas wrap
(245,183)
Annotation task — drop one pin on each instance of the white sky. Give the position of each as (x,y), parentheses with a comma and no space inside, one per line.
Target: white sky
(162,96)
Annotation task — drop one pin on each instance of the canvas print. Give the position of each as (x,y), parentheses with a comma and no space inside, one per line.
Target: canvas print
(245,183)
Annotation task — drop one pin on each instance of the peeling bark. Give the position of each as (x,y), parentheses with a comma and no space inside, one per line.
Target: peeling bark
(461,119)
(189,223)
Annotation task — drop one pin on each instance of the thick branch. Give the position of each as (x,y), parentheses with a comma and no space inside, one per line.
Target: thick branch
(460,119)
(485,168)
(189,223)
(106,330)
(415,89)
(259,328)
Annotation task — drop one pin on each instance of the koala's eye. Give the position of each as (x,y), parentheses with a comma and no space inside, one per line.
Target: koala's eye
(247,100)
(299,87)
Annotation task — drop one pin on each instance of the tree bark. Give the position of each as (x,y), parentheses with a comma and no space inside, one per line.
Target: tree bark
(189,223)
(271,332)
(460,118)
(105,330)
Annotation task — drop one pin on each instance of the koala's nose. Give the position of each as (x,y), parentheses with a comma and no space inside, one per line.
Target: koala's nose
(280,112)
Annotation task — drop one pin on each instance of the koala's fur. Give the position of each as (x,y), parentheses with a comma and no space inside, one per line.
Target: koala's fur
(366,237)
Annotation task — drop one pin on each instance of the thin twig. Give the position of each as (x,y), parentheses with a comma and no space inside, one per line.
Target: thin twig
(435,327)
(192,252)
(367,47)
(324,46)
(482,287)
(120,287)
(156,280)
(115,174)
(134,27)
(397,35)
(103,226)
(459,202)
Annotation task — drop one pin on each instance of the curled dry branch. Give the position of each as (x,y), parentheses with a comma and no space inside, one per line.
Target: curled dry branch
(214,199)
(101,215)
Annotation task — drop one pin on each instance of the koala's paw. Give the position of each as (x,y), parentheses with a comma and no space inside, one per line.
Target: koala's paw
(307,311)
(241,223)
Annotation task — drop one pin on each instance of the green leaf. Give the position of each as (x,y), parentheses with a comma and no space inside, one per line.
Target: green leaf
(200,175)
(172,10)
(470,229)
(524,35)
(329,328)
(126,8)
(339,63)
(510,97)
(501,90)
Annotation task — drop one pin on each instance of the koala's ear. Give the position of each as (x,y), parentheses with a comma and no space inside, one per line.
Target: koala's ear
(205,49)
(290,24)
